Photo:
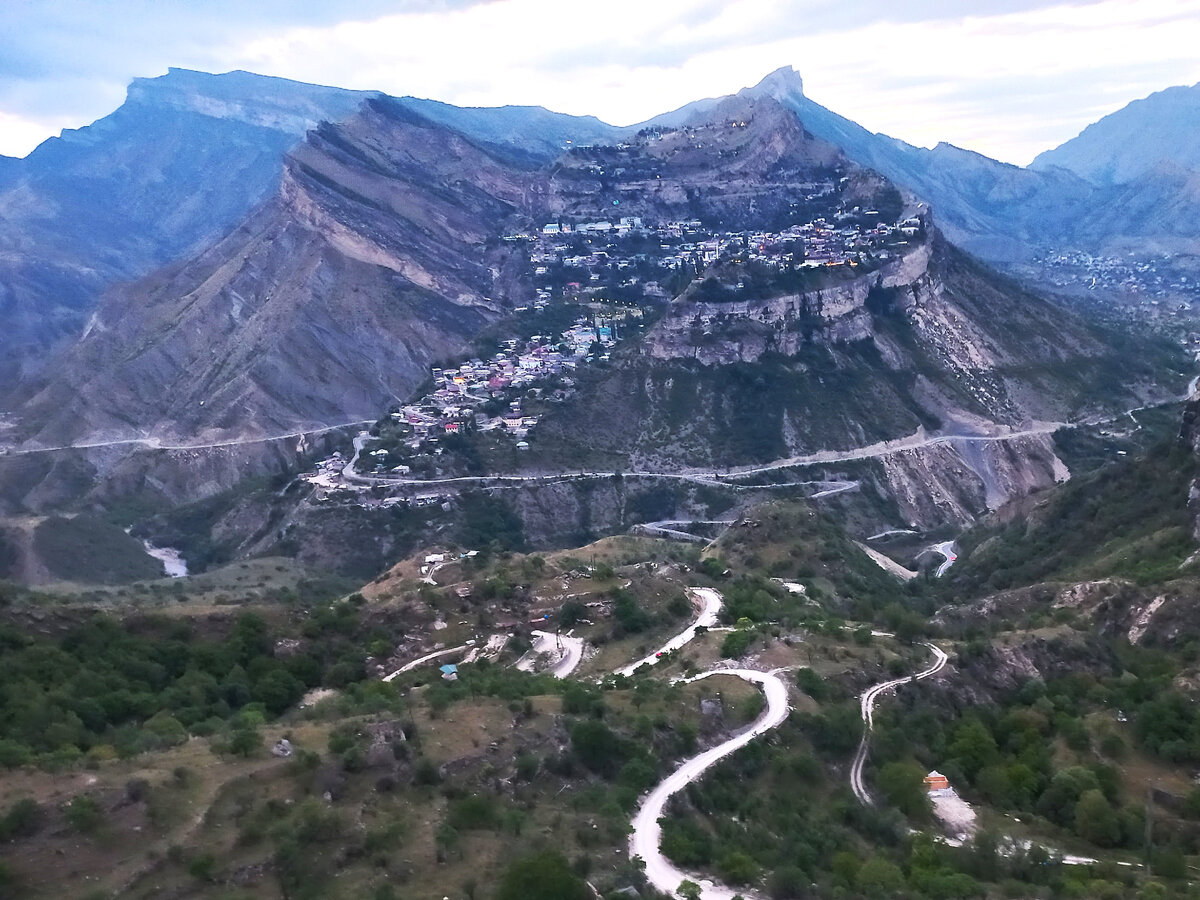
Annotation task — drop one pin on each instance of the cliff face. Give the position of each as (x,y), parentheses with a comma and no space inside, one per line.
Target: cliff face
(183,160)
(744,331)
(372,261)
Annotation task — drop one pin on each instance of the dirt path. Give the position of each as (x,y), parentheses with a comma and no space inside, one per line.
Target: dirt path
(646,836)
(867,706)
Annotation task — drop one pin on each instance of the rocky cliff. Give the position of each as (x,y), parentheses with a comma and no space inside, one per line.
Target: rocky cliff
(374,258)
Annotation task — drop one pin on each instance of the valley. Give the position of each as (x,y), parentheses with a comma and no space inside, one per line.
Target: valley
(403,500)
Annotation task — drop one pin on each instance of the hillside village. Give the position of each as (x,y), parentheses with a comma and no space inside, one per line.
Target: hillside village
(617,274)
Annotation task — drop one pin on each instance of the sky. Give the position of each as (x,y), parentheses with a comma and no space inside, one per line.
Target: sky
(1007,78)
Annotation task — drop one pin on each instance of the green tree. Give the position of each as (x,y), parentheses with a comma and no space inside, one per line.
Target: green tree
(542,876)
(1096,821)
(83,813)
(973,747)
(903,786)
(878,877)
(246,740)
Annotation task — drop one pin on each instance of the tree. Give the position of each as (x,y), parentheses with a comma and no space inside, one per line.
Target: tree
(246,740)
(878,877)
(973,747)
(542,876)
(1096,821)
(902,784)
(688,890)
(788,883)
(83,813)
(737,867)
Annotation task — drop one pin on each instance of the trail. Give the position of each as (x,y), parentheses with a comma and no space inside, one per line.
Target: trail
(707,618)
(867,705)
(153,443)
(646,835)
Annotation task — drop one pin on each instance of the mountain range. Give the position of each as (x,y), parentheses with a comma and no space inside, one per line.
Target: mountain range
(110,202)
(314,282)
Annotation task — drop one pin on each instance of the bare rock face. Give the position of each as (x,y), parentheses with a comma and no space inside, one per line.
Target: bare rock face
(371,262)
(744,331)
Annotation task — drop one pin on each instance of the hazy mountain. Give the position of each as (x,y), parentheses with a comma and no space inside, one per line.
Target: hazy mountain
(176,166)
(1162,129)
(180,162)
(375,257)
(380,254)
(529,129)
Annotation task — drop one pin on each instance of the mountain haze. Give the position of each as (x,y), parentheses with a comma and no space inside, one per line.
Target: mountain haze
(1162,129)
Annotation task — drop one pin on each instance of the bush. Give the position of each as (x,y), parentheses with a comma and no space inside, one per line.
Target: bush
(22,820)
(542,876)
(736,643)
(83,814)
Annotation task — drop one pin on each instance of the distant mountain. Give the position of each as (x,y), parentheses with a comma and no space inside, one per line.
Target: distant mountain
(377,255)
(538,132)
(1160,130)
(176,166)
(1005,213)
(181,161)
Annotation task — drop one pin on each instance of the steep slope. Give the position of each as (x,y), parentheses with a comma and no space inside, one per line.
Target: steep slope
(987,207)
(175,167)
(1134,140)
(743,162)
(931,344)
(531,130)
(375,257)
(180,162)
(1005,213)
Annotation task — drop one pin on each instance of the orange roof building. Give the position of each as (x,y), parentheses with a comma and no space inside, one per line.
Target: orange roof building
(936,781)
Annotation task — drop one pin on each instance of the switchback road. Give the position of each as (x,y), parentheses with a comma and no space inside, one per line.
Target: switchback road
(867,705)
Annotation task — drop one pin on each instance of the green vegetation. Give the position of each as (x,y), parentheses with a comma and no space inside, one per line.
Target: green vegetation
(110,688)
(92,551)
(1129,518)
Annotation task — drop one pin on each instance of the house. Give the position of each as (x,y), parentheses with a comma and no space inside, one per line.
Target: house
(936,781)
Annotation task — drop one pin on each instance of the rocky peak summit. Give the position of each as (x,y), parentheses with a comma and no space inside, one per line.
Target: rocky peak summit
(783,84)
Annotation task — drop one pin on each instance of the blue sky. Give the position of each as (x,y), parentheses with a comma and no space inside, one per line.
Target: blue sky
(1008,79)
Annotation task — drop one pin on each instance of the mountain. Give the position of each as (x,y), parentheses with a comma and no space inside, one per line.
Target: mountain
(951,372)
(532,130)
(993,209)
(180,162)
(1005,213)
(1133,142)
(376,256)
(380,254)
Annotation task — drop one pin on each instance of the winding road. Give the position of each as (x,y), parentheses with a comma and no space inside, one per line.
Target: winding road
(569,650)
(946,548)
(867,705)
(646,837)
(707,618)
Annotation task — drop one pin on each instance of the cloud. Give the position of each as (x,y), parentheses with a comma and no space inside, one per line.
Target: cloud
(1005,77)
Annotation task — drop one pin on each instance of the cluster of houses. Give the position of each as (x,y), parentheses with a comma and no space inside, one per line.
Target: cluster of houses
(596,258)
(487,394)
(1153,279)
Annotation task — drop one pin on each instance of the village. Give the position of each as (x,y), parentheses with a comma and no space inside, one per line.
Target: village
(640,263)
(616,274)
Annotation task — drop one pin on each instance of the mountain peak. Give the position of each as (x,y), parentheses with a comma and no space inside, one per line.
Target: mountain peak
(782,84)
